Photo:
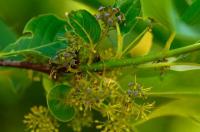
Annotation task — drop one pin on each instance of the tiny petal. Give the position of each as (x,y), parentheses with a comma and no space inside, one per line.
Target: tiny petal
(101,8)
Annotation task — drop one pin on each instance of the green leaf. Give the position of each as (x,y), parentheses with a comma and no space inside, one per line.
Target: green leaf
(192,15)
(47,83)
(188,108)
(131,10)
(40,39)
(184,125)
(56,101)
(171,84)
(6,35)
(107,2)
(164,12)
(185,67)
(92,3)
(18,78)
(169,124)
(85,25)
(7,93)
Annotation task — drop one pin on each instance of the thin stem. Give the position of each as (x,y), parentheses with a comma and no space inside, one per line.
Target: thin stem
(156,65)
(119,42)
(140,60)
(91,54)
(169,41)
(133,42)
(163,64)
(25,65)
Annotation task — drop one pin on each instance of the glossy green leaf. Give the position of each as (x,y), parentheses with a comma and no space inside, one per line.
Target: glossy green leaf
(131,10)
(164,12)
(56,100)
(85,25)
(40,38)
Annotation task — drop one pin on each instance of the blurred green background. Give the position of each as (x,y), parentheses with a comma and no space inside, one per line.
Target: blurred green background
(20,90)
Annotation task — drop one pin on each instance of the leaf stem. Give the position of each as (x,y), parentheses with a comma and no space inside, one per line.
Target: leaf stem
(140,60)
(169,41)
(119,42)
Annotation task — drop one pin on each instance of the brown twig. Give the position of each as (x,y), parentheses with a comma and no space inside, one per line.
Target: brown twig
(26,65)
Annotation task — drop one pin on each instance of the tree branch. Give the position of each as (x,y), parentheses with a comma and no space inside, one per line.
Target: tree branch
(110,64)
(25,65)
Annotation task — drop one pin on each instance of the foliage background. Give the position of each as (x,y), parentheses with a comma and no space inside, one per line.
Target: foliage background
(20,90)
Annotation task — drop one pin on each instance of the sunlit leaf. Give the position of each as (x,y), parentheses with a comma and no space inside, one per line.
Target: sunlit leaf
(188,108)
(164,12)
(143,46)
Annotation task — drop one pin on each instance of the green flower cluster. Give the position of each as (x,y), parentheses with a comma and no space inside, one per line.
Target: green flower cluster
(40,120)
(66,60)
(104,95)
(110,15)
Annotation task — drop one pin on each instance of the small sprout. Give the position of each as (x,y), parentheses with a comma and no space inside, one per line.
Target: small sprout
(144,110)
(129,92)
(136,90)
(98,16)
(99,126)
(130,84)
(136,93)
(106,15)
(116,10)
(101,8)
(110,22)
